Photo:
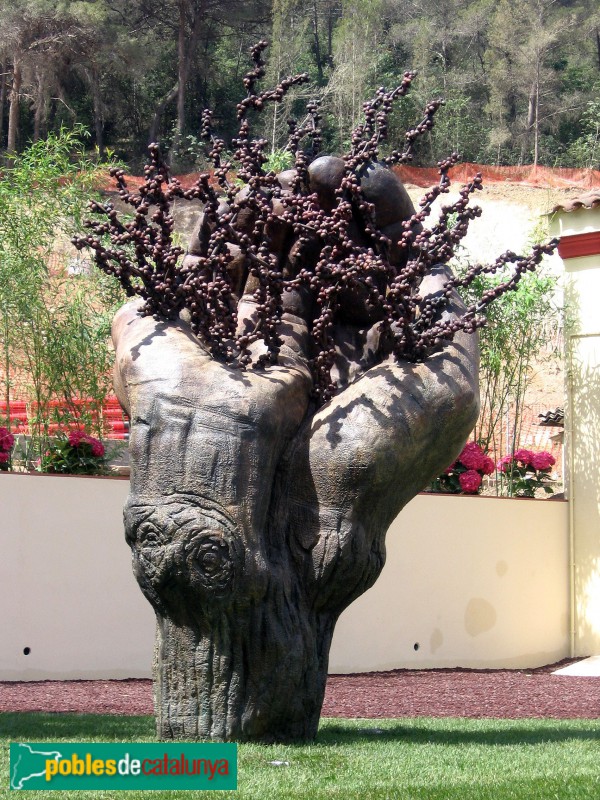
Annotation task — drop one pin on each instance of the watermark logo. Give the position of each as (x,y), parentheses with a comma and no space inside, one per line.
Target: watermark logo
(90,765)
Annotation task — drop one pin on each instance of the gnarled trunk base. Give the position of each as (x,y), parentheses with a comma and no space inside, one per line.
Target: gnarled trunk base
(240,683)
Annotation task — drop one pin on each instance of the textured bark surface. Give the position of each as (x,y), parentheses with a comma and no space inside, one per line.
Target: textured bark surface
(254,518)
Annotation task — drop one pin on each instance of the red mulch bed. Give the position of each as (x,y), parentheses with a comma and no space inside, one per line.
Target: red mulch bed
(494,693)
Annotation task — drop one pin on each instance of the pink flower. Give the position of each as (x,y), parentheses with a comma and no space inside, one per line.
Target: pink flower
(6,439)
(77,437)
(472,456)
(4,457)
(96,445)
(470,481)
(488,465)
(543,460)
(504,463)
(524,456)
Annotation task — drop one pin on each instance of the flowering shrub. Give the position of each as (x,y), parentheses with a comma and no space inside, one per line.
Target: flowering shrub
(466,473)
(76,453)
(524,472)
(7,441)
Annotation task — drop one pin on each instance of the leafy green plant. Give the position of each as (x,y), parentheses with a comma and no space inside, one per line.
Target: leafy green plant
(517,335)
(186,152)
(525,473)
(465,474)
(585,150)
(53,327)
(279,160)
(521,474)
(75,453)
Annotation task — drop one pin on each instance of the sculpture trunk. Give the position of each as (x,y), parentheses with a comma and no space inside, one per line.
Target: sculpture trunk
(254,520)
(259,678)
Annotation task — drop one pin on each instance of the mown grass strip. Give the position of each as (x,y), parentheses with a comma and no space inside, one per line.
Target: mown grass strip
(394,759)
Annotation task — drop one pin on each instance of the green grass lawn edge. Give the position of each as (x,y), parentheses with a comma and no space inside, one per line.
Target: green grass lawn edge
(421,758)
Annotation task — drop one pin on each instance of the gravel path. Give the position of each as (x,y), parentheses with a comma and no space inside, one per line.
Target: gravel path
(401,693)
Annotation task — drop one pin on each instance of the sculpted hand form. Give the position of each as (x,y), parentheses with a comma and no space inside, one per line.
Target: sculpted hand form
(255,518)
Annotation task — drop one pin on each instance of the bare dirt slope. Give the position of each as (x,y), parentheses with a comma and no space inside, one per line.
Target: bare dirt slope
(513,216)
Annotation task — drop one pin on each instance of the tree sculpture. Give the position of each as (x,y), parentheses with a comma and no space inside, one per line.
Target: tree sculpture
(292,383)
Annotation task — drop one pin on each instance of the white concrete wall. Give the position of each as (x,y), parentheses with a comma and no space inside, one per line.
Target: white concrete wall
(475,582)
(582,426)
(469,581)
(583,441)
(66,587)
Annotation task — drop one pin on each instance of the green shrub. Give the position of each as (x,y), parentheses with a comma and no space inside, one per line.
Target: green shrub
(54,327)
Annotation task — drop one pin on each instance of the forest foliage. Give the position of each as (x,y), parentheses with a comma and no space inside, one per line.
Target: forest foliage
(521,82)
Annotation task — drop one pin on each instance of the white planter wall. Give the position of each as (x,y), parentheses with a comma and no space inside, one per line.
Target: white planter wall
(474,582)
(66,587)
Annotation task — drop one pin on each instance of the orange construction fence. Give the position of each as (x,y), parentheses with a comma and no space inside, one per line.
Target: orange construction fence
(541,177)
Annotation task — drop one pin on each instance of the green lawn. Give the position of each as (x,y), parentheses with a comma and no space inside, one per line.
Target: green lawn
(429,759)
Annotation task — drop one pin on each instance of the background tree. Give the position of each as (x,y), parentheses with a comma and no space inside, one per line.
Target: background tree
(523,77)
(585,150)
(190,24)
(516,80)
(291,30)
(357,43)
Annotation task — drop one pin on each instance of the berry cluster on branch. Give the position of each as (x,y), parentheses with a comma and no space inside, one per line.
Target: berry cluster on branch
(317,237)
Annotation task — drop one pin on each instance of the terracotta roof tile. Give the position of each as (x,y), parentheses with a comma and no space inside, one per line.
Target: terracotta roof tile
(555,418)
(587,200)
